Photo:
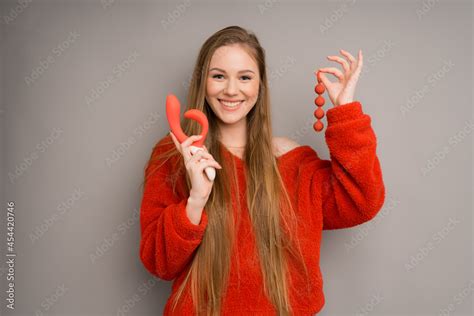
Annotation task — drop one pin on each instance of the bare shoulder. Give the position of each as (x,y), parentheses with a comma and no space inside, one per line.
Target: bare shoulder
(282,145)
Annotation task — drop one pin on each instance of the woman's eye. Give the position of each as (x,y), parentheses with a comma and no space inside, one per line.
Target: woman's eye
(219,77)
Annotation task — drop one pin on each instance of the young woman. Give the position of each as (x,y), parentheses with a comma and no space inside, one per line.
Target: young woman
(248,242)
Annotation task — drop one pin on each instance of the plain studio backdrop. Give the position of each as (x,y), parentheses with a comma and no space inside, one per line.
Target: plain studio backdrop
(83,88)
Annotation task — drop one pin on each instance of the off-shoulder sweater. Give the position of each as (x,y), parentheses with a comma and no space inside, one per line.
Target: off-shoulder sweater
(342,192)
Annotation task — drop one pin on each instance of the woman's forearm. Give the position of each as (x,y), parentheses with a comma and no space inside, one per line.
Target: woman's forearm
(194,209)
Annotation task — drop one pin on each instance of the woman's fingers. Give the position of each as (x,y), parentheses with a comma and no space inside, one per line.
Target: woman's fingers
(190,140)
(183,150)
(199,156)
(206,155)
(175,141)
(179,147)
(203,164)
(325,80)
(341,61)
(356,73)
(351,58)
(336,72)
(360,62)
(185,147)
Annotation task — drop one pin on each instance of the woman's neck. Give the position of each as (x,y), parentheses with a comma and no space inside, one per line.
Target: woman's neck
(234,135)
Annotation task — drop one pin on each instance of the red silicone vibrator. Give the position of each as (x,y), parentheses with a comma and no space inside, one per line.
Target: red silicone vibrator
(173,113)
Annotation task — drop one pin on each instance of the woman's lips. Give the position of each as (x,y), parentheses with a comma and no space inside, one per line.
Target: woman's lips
(231,108)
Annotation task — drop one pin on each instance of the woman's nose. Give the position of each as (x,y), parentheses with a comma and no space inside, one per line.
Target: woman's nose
(232,87)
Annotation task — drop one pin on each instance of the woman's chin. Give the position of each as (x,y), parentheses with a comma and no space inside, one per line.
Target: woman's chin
(230,119)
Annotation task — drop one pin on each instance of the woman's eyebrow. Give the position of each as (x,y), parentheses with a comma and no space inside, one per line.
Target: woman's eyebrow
(245,70)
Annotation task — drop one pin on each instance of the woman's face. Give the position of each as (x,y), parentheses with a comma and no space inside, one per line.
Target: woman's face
(232,84)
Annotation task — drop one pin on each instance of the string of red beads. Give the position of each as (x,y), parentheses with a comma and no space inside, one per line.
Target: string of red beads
(319,101)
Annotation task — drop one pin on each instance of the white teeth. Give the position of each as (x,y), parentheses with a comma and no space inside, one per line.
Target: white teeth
(230,104)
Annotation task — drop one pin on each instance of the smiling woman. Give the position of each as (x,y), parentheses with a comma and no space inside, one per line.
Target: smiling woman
(232,91)
(248,242)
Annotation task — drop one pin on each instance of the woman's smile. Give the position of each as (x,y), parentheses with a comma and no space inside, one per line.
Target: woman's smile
(230,105)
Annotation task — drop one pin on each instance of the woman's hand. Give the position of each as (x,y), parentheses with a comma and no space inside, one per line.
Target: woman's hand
(342,92)
(195,164)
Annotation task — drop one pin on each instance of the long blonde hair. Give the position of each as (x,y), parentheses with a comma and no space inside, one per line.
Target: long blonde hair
(274,229)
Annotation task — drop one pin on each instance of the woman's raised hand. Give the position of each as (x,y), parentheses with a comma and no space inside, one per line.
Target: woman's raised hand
(342,91)
(195,164)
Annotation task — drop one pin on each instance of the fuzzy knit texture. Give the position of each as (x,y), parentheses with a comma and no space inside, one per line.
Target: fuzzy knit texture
(342,192)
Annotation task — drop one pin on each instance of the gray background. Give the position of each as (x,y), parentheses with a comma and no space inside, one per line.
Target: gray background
(81,161)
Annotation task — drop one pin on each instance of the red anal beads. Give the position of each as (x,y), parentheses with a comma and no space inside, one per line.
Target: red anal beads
(319,102)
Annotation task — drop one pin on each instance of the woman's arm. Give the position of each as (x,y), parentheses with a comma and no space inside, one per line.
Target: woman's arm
(349,186)
(168,237)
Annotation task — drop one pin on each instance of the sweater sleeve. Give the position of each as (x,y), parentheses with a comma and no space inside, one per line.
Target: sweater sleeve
(168,238)
(349,185)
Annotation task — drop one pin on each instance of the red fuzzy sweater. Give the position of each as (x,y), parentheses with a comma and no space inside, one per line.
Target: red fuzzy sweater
(326,194)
